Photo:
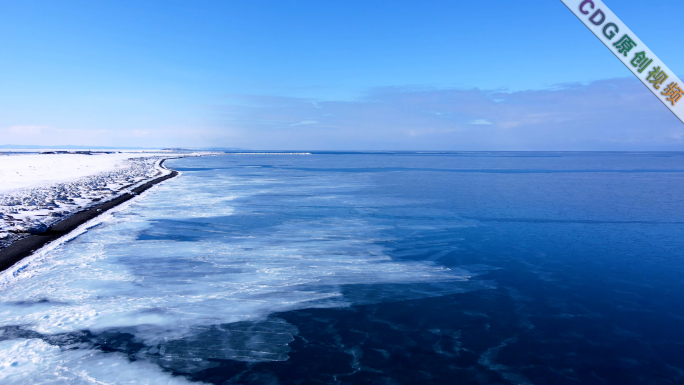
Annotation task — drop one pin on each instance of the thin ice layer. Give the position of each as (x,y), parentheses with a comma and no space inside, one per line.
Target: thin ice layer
(200,254)
(33,361)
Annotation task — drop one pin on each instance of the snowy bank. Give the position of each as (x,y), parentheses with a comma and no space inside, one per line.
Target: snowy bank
(38,190)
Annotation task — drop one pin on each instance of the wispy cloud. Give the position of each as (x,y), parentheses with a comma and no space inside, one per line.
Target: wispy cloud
(304,123)
(617,114)
(27,130)
(484,122)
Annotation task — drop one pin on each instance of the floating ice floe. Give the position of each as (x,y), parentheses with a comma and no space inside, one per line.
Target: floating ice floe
(21,359)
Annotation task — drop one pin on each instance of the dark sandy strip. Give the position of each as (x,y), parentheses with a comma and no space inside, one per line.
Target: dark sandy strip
(24,247)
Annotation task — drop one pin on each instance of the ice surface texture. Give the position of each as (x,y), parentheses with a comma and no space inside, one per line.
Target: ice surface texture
(196,269)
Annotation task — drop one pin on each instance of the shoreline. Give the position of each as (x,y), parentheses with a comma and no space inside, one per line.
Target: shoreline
(25,247)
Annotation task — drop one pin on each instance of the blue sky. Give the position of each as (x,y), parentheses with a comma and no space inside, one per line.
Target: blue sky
(328,75)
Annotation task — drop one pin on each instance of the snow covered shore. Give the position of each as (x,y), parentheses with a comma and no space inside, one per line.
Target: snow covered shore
(38,190)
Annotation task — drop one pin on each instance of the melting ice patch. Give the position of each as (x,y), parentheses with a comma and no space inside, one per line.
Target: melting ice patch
(196,271)
(33,361)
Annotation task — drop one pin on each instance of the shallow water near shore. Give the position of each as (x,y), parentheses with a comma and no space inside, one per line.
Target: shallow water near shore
(388,268)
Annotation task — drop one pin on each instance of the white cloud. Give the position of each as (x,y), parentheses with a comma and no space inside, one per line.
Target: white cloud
(615,114)
(27,130)
(304,122)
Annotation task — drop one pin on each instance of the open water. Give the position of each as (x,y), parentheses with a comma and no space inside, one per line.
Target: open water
(378,268)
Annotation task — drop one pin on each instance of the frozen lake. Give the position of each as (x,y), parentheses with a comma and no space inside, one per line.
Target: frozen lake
(384,268)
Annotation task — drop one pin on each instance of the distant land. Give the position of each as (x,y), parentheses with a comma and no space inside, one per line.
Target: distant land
(72,147)
(32,147)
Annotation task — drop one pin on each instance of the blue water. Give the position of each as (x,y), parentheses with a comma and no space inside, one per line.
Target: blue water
(382,268)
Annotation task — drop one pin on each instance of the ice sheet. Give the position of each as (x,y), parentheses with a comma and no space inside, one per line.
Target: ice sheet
(198,268)
(33,361)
